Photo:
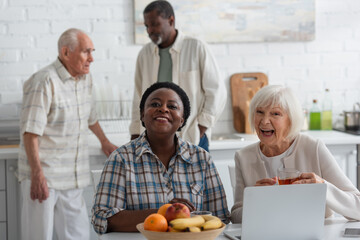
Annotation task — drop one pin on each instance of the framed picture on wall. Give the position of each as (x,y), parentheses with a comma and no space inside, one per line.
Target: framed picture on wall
(226,21)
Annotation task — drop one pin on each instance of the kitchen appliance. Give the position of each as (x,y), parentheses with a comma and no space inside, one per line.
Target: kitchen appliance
(352,118)
(243,88)
(351,122)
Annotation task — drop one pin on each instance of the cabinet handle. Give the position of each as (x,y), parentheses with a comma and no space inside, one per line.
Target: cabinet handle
(12,168)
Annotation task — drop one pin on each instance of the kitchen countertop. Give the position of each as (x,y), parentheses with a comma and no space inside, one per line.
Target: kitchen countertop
(241,139)
(9,153)
(223,142)
(237,140)
(333,230)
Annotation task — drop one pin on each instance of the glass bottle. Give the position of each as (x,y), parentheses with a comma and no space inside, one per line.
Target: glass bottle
(326,114)
(315,116)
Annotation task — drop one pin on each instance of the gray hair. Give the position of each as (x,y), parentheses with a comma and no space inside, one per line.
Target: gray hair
(69,39)
(276,95)
(163,9)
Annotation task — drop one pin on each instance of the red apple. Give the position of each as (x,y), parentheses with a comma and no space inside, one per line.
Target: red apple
(177,210)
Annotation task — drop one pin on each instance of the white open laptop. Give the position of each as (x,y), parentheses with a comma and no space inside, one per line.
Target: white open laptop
(282,213)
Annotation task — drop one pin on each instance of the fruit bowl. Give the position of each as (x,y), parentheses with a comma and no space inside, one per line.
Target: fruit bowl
(204,235)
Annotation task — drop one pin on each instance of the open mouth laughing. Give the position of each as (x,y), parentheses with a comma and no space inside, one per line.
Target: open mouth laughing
(162,119)
(267,132)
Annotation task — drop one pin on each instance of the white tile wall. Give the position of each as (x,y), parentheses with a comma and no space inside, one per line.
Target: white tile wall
(29,31)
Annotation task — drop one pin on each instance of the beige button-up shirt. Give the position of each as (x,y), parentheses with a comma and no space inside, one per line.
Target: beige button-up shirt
(59,109)
(195,70)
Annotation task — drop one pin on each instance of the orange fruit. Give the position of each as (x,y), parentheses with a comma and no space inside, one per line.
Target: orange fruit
(156,222)
(163,208)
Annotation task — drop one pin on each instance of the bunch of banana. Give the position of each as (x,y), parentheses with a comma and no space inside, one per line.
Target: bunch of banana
(193,229)
(196,223)
(184,223)
(211,222)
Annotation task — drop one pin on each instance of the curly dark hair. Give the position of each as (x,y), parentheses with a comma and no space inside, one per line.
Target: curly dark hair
(163,8)
(182,94)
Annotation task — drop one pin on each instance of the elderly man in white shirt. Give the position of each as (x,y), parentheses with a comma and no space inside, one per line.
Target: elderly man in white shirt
(53,160)
(185,61)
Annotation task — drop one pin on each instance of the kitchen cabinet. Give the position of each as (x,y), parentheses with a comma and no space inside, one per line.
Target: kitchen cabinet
(2,230)
(3,206)
(9,200)
(223,170)
(346,157)
(2,175)
(2,200)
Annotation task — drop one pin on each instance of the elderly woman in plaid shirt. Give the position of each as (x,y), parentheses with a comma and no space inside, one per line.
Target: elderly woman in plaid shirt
(157,168)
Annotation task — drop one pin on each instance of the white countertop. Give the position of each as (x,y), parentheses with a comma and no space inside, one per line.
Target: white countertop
(328,137)
(229,141)
(333,230)
(238,140)
(9,153)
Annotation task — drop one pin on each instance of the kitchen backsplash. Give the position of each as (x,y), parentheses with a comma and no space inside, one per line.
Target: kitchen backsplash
(28,40)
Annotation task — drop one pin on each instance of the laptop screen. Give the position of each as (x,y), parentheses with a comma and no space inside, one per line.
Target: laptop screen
(283,212)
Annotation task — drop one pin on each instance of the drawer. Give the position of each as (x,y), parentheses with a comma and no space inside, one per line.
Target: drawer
(2,175)
(88,195)
(2,206)
(2,230)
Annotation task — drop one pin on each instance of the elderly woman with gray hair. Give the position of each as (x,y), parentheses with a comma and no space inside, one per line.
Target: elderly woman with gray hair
(277,117)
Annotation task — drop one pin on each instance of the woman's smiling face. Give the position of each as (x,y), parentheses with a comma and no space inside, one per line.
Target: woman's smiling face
(163,112)
(272,125)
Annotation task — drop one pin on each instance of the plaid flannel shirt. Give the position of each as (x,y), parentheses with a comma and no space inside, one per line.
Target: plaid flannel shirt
(134,178)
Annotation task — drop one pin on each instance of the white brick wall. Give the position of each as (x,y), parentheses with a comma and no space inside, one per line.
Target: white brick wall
(24,3)
(12,14)
(9,55)
(29,31)
(28,28)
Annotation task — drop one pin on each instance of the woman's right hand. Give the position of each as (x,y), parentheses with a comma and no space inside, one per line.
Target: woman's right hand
(266,182)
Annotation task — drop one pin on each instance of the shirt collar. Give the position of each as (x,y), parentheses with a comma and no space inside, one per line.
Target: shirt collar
(178,41)
(176,45)
(63,73)
(142,146)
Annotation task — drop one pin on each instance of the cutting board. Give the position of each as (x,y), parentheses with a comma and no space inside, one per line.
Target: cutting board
(9,146)
(243,88)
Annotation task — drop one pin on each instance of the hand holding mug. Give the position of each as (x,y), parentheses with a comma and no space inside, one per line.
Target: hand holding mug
(306,178)
(288,175)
